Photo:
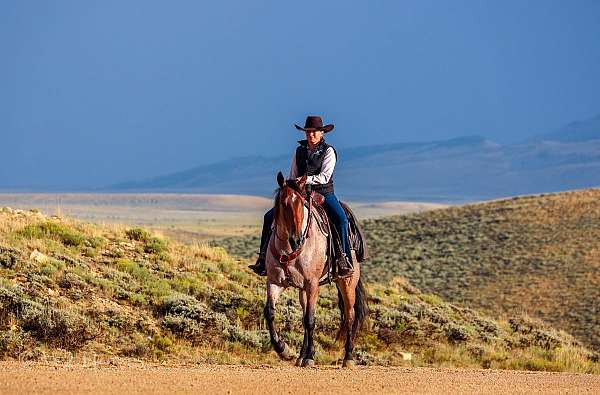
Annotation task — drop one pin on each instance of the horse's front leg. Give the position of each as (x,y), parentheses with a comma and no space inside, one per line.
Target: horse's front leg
(312,293)
(273,292)
(302,297)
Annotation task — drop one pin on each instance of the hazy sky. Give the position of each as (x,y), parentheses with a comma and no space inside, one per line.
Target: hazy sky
(94,92)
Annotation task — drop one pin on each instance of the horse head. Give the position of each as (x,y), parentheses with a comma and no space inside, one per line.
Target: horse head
(289,209)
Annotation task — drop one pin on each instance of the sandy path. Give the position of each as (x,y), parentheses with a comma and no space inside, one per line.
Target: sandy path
(31,378)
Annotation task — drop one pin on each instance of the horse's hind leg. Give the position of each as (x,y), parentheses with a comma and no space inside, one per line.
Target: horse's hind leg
(347,289)
(273,292)
(312,293)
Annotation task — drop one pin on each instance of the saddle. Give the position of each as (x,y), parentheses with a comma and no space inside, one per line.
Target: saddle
(356,238)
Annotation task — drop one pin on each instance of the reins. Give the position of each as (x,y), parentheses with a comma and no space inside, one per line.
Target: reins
(285,259)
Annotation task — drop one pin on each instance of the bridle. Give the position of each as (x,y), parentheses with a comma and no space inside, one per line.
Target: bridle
(285,259)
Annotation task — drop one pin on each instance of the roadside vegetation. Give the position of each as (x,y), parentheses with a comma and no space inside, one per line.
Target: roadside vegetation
(121,292)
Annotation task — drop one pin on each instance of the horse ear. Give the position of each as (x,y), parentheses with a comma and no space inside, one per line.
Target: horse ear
(301,182)
(280,179)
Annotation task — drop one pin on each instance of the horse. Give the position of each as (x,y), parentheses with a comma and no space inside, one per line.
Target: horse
(296,257)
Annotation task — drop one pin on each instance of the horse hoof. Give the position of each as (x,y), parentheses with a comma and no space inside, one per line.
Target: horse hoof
(308,363)
(348,363)
(287,353)
(299,362)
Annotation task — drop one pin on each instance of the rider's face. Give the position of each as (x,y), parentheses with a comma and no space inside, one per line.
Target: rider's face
(314,137)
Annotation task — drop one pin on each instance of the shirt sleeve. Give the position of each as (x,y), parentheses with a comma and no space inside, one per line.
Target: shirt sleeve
(326,169)
(293,169)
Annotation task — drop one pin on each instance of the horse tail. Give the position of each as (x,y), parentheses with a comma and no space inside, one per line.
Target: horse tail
(361,310)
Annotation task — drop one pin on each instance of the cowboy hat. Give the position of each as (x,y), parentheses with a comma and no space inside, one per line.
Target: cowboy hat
(314,122)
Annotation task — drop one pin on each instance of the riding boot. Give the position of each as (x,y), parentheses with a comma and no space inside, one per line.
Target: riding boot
(343,268)
(259,267)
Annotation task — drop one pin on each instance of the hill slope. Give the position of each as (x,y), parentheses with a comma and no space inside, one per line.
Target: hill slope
(537,254)
(67,286)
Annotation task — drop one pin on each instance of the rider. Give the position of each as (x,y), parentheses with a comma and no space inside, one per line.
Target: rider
(316,159)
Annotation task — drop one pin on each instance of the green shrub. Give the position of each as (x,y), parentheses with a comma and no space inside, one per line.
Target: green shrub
(191,285)
(455,333)
(50,229)
(433,300)
(185,327)
(115,319)
(183,306)
(14,343)
(89,252)
(534,333)
(48,269)
(9,257)
(162,343)
(193,320)
(137,298)
(155,245)
(96,241)
(10,304)
(138,234)
(226,266)
(141,348)
(253,339)
(133,268)
(62,328)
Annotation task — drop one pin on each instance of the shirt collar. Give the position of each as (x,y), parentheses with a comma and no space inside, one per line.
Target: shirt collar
(319,146)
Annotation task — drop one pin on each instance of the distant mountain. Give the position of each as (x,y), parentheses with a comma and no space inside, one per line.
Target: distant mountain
(586,130)
(462,169)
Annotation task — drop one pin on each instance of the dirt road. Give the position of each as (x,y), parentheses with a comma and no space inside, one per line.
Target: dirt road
(209,379)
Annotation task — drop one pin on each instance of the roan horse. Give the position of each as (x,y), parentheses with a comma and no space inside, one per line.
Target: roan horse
(297,257)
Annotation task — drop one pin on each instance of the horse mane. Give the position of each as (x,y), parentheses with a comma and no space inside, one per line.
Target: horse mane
(276,195)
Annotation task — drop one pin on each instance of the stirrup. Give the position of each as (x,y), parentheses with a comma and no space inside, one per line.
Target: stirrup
(347,274)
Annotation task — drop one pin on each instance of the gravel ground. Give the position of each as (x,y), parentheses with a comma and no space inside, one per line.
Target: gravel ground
(18,378)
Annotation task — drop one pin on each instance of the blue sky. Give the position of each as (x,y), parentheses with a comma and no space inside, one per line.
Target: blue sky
(98,92)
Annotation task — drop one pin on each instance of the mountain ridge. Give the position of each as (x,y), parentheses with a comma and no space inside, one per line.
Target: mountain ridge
(466,168)
(577,131)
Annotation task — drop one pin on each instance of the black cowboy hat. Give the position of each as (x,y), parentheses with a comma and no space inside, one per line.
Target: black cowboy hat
(314,122)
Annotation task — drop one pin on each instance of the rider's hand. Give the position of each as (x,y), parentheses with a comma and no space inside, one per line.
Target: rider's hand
(308,188)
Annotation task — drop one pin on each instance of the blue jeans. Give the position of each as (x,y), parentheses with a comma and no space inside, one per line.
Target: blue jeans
(336,215)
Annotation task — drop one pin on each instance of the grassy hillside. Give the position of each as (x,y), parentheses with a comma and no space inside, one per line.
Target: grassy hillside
(536,254)
(72,287)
